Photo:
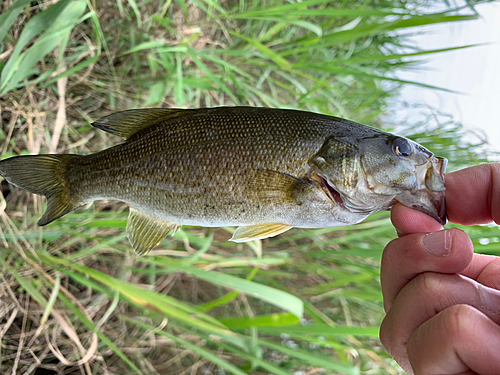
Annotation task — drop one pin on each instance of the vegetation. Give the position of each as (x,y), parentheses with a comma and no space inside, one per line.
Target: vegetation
(73,296)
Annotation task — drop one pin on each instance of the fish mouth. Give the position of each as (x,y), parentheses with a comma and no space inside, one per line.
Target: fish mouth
(434,181)
(430,198)
(340,199)
(330,192)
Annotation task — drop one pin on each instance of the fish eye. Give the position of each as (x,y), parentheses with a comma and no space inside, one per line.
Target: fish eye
(402,147)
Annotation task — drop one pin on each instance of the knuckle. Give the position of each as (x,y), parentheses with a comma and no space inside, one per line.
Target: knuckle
(401,251)
(389,337)
(431,284)
(389,253)
(384,334)
(459,321)
(413,351)
(490,275)
(438,288)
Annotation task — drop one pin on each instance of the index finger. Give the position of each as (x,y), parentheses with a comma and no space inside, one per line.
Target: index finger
(473,195)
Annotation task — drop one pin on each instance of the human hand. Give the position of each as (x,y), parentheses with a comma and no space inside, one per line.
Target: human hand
(442,300)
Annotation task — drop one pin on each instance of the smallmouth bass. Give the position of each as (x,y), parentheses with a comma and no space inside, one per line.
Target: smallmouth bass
(264,170)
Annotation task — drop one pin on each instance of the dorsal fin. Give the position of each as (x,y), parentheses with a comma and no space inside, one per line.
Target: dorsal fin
(127,123)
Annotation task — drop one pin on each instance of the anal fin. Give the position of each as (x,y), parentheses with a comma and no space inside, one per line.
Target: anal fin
(145,231)
(258,231)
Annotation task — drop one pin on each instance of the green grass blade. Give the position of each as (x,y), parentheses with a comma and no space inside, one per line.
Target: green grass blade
(358,73)
(137,13)
(228,297)
(105,339)
(156,94)
(300,9)
(405,55)
(21,66)
(52,299)
(319,329)
(225,299)
(313,359)
(220,84)
(204,248)
(365,30)
(273,320)
(281,299)
(278,60)
(34,27)
(195,349)
(144,46)
(179,96)
(25,283)
(258,362)
(8,18)
(154,302)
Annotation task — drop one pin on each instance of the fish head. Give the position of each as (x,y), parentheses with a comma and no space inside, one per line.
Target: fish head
(381,170)
(398,166)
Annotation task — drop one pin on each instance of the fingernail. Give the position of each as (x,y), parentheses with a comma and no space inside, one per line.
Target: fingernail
(438,243)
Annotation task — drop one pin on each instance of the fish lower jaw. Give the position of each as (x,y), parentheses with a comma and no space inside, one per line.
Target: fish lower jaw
(363,209)
(331,192)
(366,202)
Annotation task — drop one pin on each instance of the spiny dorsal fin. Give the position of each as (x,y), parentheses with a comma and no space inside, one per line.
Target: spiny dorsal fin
(127,123)
(258,231)
(145,231)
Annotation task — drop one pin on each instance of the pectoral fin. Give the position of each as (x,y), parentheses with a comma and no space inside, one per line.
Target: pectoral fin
(272,187)
(258,231)
(145,231)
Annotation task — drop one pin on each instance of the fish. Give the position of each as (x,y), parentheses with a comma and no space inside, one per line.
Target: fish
(263,170)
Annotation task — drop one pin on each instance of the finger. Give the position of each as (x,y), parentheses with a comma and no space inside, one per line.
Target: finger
(473,195)
(458,340)
(446,251)
(425,296)
(407,220)
(485,269)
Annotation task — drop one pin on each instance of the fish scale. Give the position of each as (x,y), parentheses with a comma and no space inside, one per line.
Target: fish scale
(261,169)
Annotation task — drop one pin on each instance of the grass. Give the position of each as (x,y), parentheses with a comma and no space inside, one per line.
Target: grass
(74,297)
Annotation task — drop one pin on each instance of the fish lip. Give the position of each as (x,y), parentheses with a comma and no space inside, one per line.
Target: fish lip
(442,213)
(434,182)
(431,193)
(439,208)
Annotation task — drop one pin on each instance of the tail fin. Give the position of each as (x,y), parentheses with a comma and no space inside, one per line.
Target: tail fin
(43,175)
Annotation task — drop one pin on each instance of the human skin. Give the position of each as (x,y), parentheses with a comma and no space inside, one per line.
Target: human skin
(442,300)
